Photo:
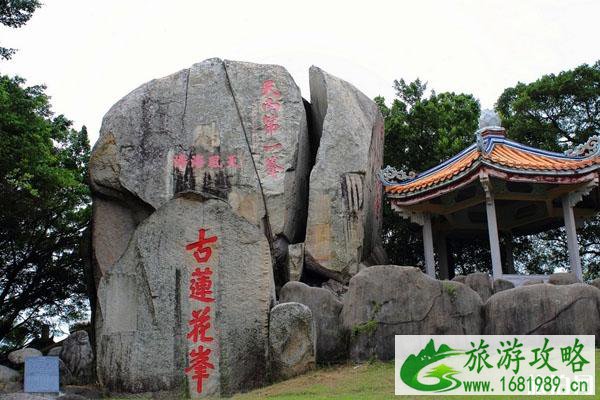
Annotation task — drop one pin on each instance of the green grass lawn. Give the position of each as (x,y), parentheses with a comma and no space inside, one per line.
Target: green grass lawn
(364,381)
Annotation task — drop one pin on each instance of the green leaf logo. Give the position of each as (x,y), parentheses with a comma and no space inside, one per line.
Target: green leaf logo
(409,372)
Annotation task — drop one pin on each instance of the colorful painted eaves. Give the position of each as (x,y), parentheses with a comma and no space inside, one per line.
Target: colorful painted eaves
(493,152)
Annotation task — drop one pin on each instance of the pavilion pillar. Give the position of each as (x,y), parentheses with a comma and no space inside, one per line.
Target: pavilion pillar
(509,258)
(572,242)
(490,208)
(428,245)
(442,252)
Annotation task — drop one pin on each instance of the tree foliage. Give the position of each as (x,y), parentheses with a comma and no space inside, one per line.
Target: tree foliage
(15,14)
(421,131)
(555,112)
(44,207)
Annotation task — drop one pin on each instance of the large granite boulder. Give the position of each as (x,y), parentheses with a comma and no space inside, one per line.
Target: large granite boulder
(344,212)
(596,283)
(222,149)
(481,283)
(234,130)
(77,354)
(192,292)
(326,309)
(18,357)
(544,309)
(292,340)
(388,300)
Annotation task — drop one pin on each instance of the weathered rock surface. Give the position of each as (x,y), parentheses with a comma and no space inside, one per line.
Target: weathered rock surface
(460,278)
(387,300)
(481,283)
(344,213)
(335,287)
(544,309)
(563,278)
(596,283)
(232,129)
(66,377)
(295,261)
(77,354)
(8,375)
(533,281)
(55,351)
(22,396)
(332,338)
(292,340)
(71,396)
(502,284)
(145,301)
(18,356)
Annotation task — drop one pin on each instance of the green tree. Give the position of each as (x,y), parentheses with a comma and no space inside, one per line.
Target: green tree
(421,132)
(15,14)
(555,112)
(44,208)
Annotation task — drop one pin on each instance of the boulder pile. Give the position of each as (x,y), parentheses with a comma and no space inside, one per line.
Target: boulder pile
(212,188)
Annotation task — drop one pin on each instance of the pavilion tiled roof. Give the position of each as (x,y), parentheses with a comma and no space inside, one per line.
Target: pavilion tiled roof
(493,151)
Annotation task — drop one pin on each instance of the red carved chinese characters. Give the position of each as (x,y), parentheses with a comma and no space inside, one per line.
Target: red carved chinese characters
(210,161)
(202,252)
(271,106)
(179,162)
(200,323)
(200,364)
(273,168)
(201,285)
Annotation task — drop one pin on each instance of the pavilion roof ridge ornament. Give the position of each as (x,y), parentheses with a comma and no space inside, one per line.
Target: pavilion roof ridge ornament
(489,126)
(390,174)
(590,148)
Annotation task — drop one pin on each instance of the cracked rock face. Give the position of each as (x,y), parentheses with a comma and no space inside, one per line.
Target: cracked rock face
(148,298)
(544,309)
(387,300)
(326,310)
(344,213)
(234,130)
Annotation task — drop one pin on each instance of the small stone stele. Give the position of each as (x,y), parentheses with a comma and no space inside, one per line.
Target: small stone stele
(41,375)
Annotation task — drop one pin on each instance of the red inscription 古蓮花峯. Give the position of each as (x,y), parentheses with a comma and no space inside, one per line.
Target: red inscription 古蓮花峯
(200,323)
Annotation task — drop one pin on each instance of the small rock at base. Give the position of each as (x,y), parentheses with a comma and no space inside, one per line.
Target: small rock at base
(18,356)
(292,340)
